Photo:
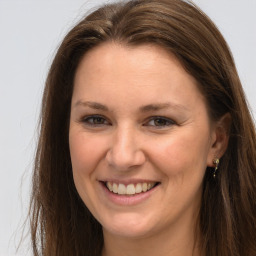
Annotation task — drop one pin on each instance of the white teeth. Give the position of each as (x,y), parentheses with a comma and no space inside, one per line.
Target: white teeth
(121,189)
(109,185)
(115,188)
(144,187)
(130,189)
(138,188)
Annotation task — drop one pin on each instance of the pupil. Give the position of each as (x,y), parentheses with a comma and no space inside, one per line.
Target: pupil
(98,120)
(159,122)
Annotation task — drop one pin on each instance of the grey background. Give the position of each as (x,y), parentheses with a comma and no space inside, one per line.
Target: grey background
(30,32)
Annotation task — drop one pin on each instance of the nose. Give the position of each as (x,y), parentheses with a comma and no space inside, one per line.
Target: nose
(125,152)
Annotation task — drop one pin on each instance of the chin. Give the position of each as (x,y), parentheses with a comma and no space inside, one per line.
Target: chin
(132,226)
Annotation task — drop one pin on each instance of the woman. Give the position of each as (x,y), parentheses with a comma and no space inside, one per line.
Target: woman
(147,145)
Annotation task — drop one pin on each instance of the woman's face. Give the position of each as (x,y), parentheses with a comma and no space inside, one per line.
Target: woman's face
(140,139)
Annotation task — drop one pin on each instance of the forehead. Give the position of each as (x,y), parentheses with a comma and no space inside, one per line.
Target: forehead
(134,59)
(146,73)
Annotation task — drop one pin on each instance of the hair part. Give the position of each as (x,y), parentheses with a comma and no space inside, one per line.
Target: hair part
(60,222)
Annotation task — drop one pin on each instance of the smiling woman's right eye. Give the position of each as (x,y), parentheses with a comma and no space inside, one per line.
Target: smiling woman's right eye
(95,120)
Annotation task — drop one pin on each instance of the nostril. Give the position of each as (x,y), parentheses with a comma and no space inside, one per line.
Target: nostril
(125,159)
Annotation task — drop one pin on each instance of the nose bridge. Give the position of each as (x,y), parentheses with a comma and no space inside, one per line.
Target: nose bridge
(125,150)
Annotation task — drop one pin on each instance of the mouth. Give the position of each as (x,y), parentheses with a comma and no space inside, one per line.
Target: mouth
(130,189)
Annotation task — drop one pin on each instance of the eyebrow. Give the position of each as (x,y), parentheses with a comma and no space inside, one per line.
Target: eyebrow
(156,107)
(144,109)
(90,104)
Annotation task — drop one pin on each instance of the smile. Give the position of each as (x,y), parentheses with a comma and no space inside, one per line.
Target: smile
(130,189)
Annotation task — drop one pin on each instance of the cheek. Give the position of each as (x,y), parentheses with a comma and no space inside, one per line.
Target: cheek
(182,153)
(86,153)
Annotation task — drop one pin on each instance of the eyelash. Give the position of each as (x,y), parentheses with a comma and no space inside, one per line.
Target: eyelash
(98,121)
(167,121)
(87,120)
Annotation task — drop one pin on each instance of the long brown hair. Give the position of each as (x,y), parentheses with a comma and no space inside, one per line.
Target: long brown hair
(60,222)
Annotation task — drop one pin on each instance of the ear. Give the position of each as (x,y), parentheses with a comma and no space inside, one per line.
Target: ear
(219,139)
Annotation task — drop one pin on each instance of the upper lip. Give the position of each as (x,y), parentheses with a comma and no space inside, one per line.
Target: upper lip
(129,181)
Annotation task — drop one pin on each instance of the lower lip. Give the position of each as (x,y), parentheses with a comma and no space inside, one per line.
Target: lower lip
(125,199)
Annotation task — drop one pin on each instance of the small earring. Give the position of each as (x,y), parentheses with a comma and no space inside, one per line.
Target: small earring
(216,161)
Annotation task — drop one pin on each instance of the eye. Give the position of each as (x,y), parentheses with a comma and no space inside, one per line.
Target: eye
(160,122)
(95,120)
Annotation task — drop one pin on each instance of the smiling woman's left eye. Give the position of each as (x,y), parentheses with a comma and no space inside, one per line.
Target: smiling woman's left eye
(160,122)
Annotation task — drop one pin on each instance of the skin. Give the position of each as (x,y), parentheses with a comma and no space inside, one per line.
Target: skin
(172,140)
